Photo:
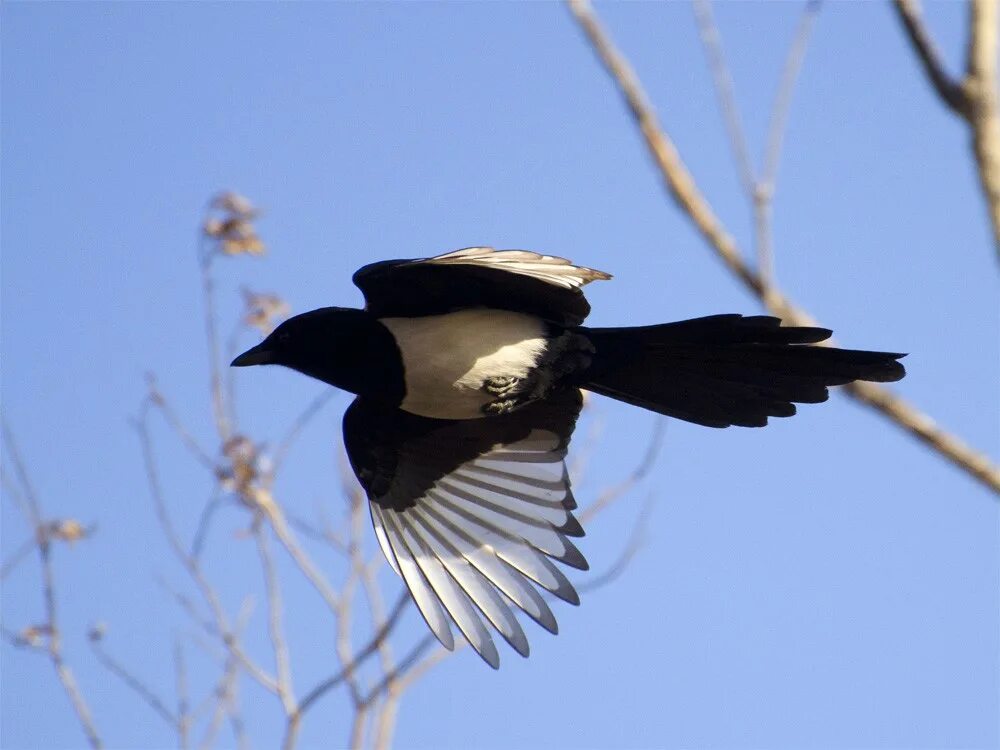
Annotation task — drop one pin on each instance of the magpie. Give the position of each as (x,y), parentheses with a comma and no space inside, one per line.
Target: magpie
(467,370)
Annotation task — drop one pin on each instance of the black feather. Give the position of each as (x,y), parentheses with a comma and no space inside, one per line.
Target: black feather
(726,369)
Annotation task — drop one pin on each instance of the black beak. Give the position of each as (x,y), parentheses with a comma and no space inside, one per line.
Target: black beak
(259,355)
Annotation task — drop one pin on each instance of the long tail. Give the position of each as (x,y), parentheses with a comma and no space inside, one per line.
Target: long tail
(726,369)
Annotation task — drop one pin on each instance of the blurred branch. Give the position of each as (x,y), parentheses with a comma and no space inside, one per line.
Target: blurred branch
(384,719)
(292,728)
(159,401)
(612,493)
(950,91)
(219,404)
(636,539)
(49,630)
(133,683)
(712,42)
(16,557)
(759,187)
(219,625)
(345,613)
(183,699)
(276,630)
(281,530)
(974,98)
(685,193)
(314,407)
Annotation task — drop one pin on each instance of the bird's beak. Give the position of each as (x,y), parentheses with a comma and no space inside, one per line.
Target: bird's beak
(258,355)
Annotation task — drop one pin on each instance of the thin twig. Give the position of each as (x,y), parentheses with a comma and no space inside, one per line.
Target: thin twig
(307,414)
(160,402)
(763,195)
(949,90)
(295,720)
(636,538)
(975,97)
(134,684)
(612,493)
(219,406)
(345,612)
(723,79)
(276,630)
(184,717)
(276,518)
(685,193)
(786,86)
(16,557)
(54,635)
(758,185)
(220,624)
(226,691)
(385,712)
(201,530)
(410,661)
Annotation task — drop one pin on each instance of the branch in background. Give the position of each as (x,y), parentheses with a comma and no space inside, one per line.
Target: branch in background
(759,186)
(16,557)
(275,626)
(49,631)
(636,539)
(294,721)
(949,90)
(763,198)
(685,193)
(137,686)
(974,98)
(711,40)
(612,493)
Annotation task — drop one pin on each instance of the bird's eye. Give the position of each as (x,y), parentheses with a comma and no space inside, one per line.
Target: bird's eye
(284,336)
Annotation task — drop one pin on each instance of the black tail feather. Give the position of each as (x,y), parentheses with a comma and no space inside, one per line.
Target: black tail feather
(726,369)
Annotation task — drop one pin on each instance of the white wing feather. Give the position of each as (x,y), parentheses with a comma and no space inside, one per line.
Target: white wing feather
(480,540)
(548,268)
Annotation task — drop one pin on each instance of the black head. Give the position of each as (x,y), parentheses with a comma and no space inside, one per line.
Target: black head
(341,346)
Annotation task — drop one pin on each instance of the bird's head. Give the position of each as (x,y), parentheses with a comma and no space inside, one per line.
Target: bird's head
(332,344)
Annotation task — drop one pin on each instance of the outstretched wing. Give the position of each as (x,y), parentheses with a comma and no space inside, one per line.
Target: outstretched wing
(542,285)
(472,513)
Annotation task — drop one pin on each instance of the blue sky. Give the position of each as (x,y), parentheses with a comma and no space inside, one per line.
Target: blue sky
(824,582)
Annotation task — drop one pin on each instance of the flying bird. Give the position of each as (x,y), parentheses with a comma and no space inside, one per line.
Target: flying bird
(467,369)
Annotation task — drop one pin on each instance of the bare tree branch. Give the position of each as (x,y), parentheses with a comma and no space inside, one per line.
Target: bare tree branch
(759,186)
(276,518)
(16,557)
(159,401)
(295,720)
(276,629)
(973,98)
(53,635)
(949,90)
(313,408)
(183,699)
(636,539)
(612,493)
(981,85)
(133,683)
(219,626)
(712,42)
(685,193)
(763,197)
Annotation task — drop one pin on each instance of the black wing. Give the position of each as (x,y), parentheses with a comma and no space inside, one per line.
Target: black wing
(517,280)
(471,513)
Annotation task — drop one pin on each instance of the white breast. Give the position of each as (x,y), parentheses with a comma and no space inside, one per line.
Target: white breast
(447,357)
